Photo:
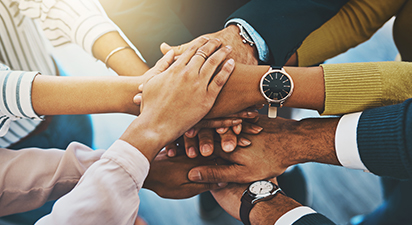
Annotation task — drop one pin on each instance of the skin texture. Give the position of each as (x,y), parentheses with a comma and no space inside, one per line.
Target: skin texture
(168,177)
(282,143)
(168,109)
(264,212)
(242,53)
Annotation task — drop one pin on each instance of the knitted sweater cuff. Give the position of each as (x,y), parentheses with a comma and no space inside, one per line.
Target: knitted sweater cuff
(381,139)
(313,219)
(346,90)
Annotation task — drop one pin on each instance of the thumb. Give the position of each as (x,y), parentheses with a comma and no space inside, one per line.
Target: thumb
(216,174)
(164,48)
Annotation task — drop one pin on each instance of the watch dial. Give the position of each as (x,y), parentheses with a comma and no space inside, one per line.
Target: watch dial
(261,187)
(276,86)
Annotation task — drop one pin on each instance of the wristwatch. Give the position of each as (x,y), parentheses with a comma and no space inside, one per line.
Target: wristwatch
(276,87)
(246,39)
(257,191)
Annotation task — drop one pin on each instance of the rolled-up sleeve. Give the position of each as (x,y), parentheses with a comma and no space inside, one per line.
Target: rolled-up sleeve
(69,21)
(15,97)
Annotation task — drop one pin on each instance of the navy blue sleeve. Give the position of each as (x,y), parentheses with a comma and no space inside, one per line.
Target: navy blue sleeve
(384,137)
(284,24)
(314,219)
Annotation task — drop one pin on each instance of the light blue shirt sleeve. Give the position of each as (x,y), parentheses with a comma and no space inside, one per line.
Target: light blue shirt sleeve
(261,46)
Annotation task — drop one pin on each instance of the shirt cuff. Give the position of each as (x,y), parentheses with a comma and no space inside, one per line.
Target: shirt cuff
(345,142)
(294,215)
(261,46)
(130,159)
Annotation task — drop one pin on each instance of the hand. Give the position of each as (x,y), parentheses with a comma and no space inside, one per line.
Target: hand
(228,129)
(168,177)
(282,143)
(264,212)
(179,97)
(242,53)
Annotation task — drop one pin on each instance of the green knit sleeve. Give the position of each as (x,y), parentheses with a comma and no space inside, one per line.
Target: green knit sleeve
(354,87)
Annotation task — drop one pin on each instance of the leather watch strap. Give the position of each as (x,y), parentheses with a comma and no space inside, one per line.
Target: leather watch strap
(245,208)
(276,67)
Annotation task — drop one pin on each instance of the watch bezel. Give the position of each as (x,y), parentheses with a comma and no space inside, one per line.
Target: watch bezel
(257,197)
(271,70)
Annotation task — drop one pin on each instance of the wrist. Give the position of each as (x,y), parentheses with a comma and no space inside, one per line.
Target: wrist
(268,212)
(146,136)
(319,142)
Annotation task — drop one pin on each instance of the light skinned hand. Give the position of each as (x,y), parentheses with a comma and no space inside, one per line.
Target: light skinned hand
(242,53)
(168,177)
(182,95)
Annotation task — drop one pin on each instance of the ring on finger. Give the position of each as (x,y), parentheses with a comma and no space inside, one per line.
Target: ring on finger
(202,54)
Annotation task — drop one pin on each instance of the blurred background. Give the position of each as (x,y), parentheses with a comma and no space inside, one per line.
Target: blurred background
(336,192)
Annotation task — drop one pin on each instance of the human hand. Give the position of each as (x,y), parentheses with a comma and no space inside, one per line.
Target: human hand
(264,212)
(168,176)
(242,53)
(282,143)
(178,98)
(200,138)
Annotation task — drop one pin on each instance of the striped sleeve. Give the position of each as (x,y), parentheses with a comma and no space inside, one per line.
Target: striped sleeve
(69,21)
(15,97)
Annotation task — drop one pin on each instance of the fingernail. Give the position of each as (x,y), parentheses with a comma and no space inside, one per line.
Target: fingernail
(252,114)
(231,61)
(245,141)
(217,39)
(141,87)
(195,175)
(192,153)
(237,121)
(190,132)
(222,184)
(206,38)
(206,149)
(137,99)
(229,47)
(171,153)
(228,146)
(221,130)
(237,129)
(257,128)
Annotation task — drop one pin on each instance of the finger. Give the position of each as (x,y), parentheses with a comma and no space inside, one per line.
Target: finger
(164,62)
(218,123)
(192,132)
(222,130)
(237,129)
(171,149)
(246,114)
(137,99)
(228,141)
(220,79)
(189,53)
(217,174)
(204,52)
(206,141)
(214,61)
(191,147)
(249,128)
(243,142)
(164,48)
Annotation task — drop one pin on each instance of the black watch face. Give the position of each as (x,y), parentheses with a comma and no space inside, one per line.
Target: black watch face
(276,86)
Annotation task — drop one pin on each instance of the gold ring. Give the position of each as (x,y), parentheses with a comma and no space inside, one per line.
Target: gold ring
(202,54)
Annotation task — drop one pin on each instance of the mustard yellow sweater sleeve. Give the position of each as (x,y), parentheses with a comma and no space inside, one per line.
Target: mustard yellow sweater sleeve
(354,87)
(355,23)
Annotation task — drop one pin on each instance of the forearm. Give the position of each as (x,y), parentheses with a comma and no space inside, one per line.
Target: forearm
(242,89)
(125,62)
(84,95)
(53,173)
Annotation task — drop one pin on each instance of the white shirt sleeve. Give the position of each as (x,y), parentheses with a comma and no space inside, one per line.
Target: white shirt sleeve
(15,97)
(345,142)
(69,21)
(294,215)
(108,191)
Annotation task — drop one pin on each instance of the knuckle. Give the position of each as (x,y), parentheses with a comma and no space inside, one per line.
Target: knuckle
(213,175)
(213,61)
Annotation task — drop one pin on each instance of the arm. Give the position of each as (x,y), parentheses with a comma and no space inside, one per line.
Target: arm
(30,177)
(329,89)
(355,23)
(282,17)
(85,24)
